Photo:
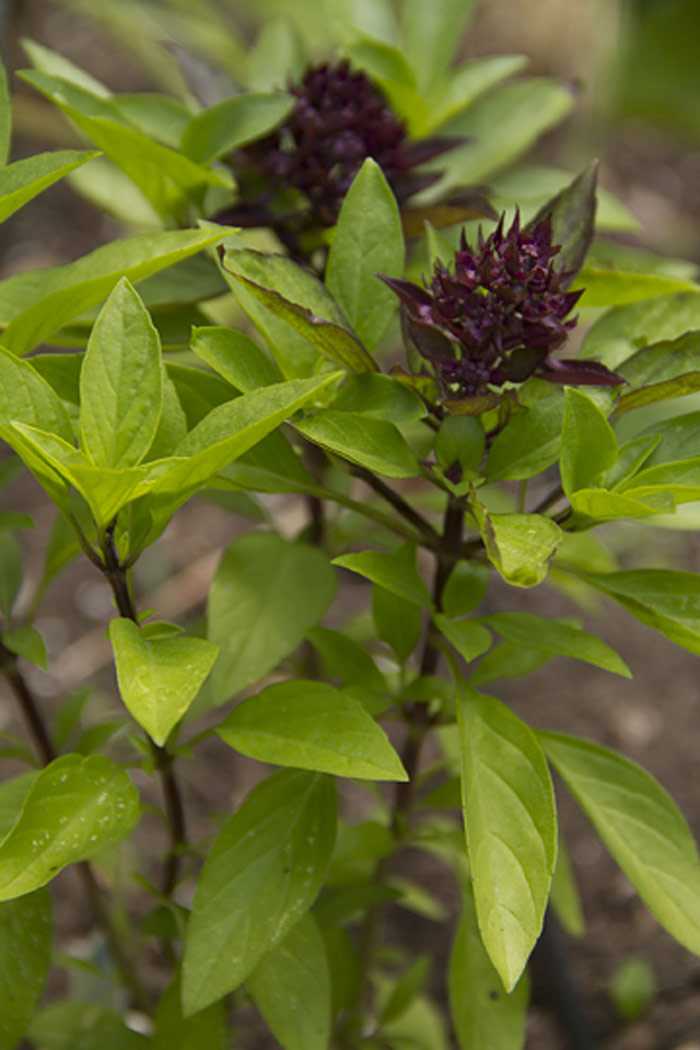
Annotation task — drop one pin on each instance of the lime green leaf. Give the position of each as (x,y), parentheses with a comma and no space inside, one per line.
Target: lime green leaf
(378,395)
(608,287)
(266,594)
(83,1026)
(36,304)
(649,321)
(484,1016)
(25,179)
(558,639)
(311,725)
(600,505)
(277,57)
(463,86)
(641,826)
(680,479)
(520,546)
(345,658)
(121,382)
(291,987)
(28,643)
(588,442)
(469,638)
(234,123)
(398,622)
(666,600)
(172,1031)
(25,954)
(262,875)
(371,442)
(235,357)
(394,572)
(75,808)
(511,828)
(501,127)
(332,339)
(663,391)
(12,795)
(528,444)
(368,240)
(431,35)
(158,677)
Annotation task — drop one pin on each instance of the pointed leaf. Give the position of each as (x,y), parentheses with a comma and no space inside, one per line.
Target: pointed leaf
(520,546)
(588,442)
(311,725)
(234,123)
(371,442)
(5,116)
(468,637)
(25,954)
(432,34)
(528,444)
(36,304)
(172,1031)
(394,572)
(25,179)
(485,1017)
(368,240)
(573,221)
(262,875)
(266,594)
(158,677)
(121,382)
(291,987)
(511,828)
(559,639)
(610,287)
(641,826)
(235,357)
(75,808)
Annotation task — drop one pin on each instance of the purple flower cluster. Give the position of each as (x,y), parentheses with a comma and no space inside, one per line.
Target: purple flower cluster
(498,316)
(340,119)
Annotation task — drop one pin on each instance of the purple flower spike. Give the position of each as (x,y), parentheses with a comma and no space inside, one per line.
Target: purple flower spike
(497,318)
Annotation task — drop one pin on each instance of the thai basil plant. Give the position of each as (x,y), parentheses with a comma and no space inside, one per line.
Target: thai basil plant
(412,382)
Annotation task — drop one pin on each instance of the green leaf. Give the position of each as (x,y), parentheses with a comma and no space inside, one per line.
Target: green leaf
(528,444)
(460,440)
(121,382)
(431,35)
(676,438)
(484,1016)
(368,240)
(469,638)
(665,600)
(520,546)
(311,725)
(5,116)
(407,989)
(511,828)
(28,643)
(265,596)
(465,589)
(588,442)
(609,287)
(25,179)
(461,87)
(507,661)
(641,826)
(681,480)
(599,505)
(314,315)
(559,639)
(663,391)
(277,57)
(501,127)
(291,987)
(172,1031)
(12,795)
(371,393)
(345,658)
(235,357)
(653,366)
(25,954)
(83,1026)
(664,317)
(398,623)
(262,875)
(225,434)
(394,572)
(370,442)
(573,213)
(36,304)
(233,123)
(11,572)
(75,808)
(158,677)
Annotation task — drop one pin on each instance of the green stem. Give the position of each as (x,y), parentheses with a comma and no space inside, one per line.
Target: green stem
(118,578)
(47,753)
